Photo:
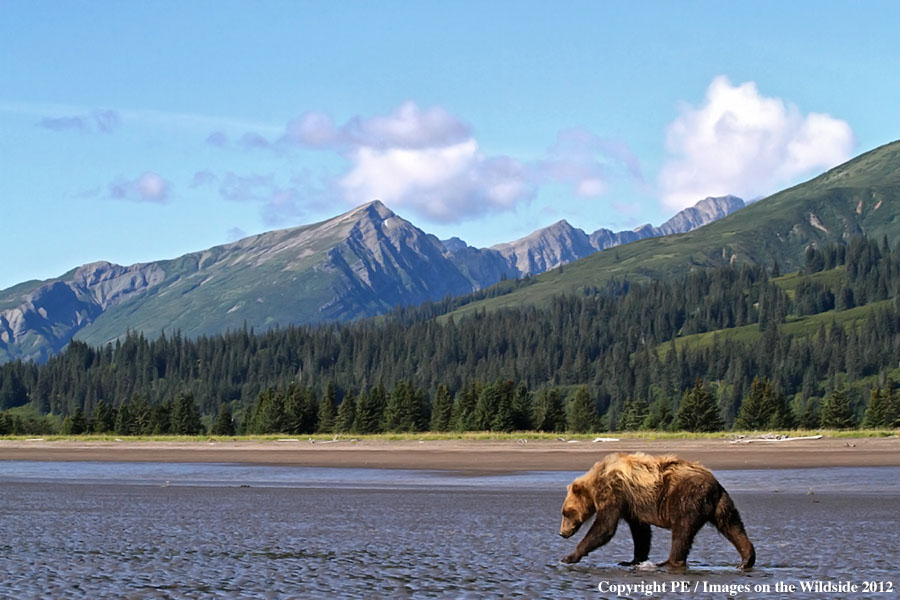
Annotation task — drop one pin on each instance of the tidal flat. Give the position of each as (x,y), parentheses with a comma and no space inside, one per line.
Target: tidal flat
(158,530)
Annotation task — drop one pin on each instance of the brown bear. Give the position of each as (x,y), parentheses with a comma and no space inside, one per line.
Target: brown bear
(645,490)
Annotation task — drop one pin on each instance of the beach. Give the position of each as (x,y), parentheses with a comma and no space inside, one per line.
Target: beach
(489,456)
(448,518)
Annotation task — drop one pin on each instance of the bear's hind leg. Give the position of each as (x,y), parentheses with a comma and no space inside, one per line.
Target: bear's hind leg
(728,522)
(641,535)
(682,539)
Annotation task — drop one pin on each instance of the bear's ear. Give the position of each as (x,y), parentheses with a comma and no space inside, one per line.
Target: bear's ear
(577,487)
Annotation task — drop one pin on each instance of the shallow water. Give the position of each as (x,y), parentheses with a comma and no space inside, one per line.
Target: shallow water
(151,530)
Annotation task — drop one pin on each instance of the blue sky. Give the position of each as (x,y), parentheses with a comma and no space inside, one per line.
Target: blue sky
(144,130)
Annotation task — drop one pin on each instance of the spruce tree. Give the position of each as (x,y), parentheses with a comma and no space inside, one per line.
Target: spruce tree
(883,409)
(549,414)
(634,415)
(758,407)
(74,424)
(365,421)
(294,409)
(161,418)
(808,416)
(660,417)
(441,409)
(504,418)
(486,407)
(837,411)
(394,417)
(582,414)
(406,408)
(268,414)
(224,424)
(346,414)
(522,409)
(306,406)
(783,415)
(104,417)
(327,411)
(698,410)
(420,408)
(892,410)
(370,410)
(141,415)
(124,421)
(464,408)
(876,411)
(186,415)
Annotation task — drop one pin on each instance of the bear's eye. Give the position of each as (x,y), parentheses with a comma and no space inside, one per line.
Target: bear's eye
(569,514)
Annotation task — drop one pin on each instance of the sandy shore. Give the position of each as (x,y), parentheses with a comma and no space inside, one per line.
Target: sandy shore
(473,456)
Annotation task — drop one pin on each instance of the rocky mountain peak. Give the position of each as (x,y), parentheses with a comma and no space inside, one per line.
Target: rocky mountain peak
(454,245)
(360,263)
(705,211)
(375,210)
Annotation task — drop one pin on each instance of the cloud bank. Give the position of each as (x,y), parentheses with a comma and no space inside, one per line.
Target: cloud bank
(741,142)
(424,160)
(428,161)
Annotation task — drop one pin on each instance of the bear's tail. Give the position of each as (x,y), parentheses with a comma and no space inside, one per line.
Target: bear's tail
(728,522)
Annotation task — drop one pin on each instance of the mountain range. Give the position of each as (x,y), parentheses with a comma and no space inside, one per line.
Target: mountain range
(858,198)
(369,260)
(362,263)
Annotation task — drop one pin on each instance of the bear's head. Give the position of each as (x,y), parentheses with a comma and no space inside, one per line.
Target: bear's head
(577,508)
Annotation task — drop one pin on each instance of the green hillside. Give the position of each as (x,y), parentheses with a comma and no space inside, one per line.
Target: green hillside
(358,264)
(859,198)
(797,326)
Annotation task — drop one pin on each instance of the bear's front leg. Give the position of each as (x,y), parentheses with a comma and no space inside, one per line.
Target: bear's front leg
(601,531)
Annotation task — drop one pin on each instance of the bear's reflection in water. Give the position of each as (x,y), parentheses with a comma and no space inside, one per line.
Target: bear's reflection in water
(439,539)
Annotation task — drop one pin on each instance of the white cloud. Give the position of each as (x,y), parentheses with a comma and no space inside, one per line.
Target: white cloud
(741,142)
(314,130)
(409,126)
(427,161)
(444,183)
(148,187)
(421,159)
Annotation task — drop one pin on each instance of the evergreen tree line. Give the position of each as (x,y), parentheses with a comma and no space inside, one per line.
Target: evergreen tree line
(134,417)
(619,343)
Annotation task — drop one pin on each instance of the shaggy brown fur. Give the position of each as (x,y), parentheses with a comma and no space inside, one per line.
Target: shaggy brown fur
(645,490)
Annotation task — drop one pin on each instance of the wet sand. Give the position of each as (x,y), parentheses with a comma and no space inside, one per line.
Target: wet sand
(66,534)
(468,455)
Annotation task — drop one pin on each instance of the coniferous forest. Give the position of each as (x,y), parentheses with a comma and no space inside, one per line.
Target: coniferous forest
(741,347)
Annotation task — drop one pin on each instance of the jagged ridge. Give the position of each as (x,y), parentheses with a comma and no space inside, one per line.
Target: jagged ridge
(362,263)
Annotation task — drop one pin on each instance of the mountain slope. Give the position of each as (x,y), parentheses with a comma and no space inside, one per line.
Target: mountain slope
(361,263)
(860,197)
